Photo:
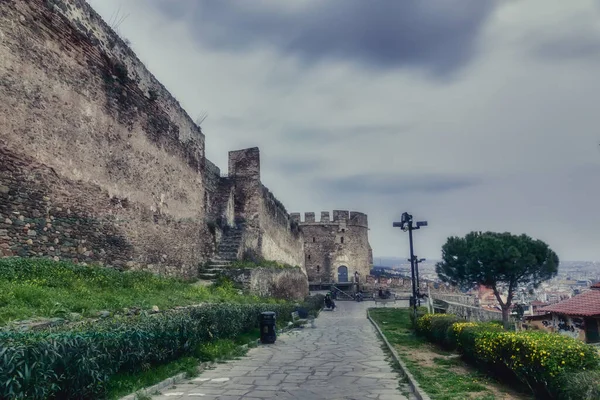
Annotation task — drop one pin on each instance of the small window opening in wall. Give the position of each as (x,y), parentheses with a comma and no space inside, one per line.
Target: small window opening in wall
(318,268)
(313,239)
(343,230)
(309,256)
(342,239)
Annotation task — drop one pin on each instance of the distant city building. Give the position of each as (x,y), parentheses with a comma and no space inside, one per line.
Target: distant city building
(577,317)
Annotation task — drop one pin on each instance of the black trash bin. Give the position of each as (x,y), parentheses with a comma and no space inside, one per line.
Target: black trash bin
(268,332)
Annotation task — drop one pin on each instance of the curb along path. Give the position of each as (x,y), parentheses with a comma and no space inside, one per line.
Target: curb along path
(416,388)
(341,358)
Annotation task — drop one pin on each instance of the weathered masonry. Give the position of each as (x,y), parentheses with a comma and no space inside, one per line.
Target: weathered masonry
(100,163)
(338,249)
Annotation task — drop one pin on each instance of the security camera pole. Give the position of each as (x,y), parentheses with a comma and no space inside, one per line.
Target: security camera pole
(406,224)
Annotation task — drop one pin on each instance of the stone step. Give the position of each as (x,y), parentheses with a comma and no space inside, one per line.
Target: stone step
(229,246)
(207,276)
(230,241)
(212,270)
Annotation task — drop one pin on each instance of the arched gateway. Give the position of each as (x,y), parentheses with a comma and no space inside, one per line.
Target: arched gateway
(342,273)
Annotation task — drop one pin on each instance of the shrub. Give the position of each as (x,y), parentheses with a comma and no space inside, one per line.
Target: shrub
(579,385)
(421,312)
(314,303)
(465,334)
(544,361)
(536,358)
(423,325)
(78,363)
(439,331)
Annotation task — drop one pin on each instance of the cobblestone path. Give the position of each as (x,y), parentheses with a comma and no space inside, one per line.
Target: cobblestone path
(339,359)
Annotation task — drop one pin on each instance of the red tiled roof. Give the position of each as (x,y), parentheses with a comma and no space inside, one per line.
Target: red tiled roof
(596,285)
(585,305)
(537,303)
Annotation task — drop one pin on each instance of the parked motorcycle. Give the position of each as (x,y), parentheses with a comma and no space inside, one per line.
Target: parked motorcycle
(329,303)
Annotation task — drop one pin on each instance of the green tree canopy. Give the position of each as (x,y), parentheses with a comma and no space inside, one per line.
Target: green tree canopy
(498,261)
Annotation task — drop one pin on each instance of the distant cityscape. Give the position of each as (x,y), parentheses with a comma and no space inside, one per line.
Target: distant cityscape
(573,278)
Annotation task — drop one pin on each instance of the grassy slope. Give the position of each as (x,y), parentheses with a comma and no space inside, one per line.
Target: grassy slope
(441,376)
(44,288)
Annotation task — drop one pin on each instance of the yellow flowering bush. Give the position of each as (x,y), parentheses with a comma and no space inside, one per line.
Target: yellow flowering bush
(536,357)
(424,322)
(539,359)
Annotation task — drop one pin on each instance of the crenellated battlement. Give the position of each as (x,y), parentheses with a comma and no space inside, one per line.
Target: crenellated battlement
(339,216)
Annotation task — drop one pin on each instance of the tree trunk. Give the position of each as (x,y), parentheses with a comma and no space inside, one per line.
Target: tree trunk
(504,306)
(505,315)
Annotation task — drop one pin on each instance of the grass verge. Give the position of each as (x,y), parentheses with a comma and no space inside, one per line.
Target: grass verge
(220,350)
(442,375)
(32,288)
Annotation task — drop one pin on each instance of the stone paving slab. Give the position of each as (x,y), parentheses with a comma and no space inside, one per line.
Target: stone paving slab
(339,359)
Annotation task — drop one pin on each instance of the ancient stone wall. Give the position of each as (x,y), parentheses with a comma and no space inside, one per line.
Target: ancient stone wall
(281,238)
(45,215)
(330,244)
(268,229)
(112,145)
(92,140)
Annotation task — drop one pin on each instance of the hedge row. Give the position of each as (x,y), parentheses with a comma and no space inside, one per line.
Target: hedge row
(77,364)
(543,361)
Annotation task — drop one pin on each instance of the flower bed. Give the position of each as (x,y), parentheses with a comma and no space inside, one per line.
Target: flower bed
(77,363)
(539,359)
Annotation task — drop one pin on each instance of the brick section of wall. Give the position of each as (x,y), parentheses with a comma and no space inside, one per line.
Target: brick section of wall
(45,215)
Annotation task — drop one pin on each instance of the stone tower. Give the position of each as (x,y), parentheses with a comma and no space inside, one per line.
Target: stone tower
(336,249)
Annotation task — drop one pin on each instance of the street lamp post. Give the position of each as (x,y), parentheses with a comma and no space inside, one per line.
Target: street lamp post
(406,224)
(417,262)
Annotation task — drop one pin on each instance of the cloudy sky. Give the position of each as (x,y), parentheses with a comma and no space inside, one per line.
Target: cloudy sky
(471,114)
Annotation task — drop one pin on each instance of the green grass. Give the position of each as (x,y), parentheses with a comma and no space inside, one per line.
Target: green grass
(223,349)
(123,384)
(43,288)
(440,381)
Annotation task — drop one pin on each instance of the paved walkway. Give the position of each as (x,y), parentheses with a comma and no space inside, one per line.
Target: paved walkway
(339,359)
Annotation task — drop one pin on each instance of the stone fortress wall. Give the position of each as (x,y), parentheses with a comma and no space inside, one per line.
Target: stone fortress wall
(336,248)
(99,162)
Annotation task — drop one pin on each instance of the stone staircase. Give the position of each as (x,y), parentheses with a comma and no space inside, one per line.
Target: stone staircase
(227,252)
